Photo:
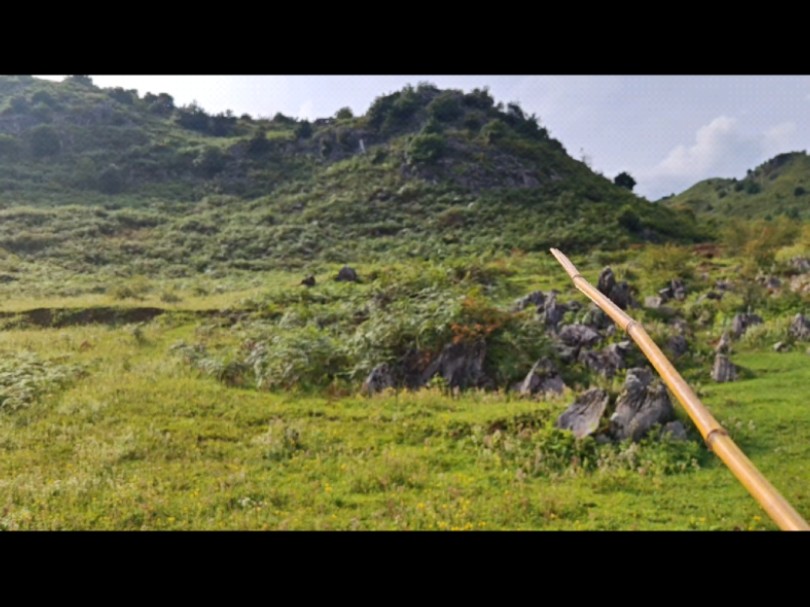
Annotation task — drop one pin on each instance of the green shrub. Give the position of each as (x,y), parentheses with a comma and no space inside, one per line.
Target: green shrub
(9,146)
(44,141)
(629,219)
(446,107)
(111,180)
(426,149)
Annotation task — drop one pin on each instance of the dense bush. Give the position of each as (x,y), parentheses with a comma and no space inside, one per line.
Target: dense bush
(44,141)
(426,148)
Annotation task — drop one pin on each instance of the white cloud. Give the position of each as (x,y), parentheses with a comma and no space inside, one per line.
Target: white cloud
(307,110)
(720,149)
(713,142)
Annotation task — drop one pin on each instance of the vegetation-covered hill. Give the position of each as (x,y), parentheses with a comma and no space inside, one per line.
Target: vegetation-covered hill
(780,186)
(94,177)
(165,367)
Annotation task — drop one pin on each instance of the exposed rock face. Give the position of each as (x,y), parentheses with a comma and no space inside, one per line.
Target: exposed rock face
(618,293)
(596,318)
(674,430)
(781,346)
(535,298)
(724,345)
(677,345)
(723,369)
(674,290)
(461,365)
(378,380)
(800,328)
(553,312)
(606,281)
(543,379)
(800,284)
(608,361)
(653,302)
(643,403)
(347,274)
(741,322)
(802,264)
(579,336)
(583,416)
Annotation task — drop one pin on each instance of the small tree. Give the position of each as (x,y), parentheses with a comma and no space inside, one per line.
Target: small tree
(303,130)
(45,141)
(344,113)
(625,180)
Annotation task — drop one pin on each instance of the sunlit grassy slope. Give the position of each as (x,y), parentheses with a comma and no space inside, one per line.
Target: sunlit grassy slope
(107,427)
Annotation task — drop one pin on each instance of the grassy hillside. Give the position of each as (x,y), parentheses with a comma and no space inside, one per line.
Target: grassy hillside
(164,366)
(95,179)
(161,424)
(780,186)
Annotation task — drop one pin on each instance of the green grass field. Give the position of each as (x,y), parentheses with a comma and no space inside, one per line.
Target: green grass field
(106,428)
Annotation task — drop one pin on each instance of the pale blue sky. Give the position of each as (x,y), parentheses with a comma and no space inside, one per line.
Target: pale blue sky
(667,131)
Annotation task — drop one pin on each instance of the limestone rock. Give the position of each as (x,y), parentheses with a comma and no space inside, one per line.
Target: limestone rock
(579,336)
(723,369)
(535,298)
(643,403)
(606,281)
(378,380)
(461,365)
(674,430)
(553,312)
(724,345)
(347,274)
(677,346)
(800,328)
(542,379)
(741,322)
(583,416)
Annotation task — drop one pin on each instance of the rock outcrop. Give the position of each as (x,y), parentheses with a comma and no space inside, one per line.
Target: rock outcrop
(584,415)
(642,404)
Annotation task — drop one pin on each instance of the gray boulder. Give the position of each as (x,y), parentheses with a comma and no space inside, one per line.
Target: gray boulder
(617,292)
(724,345)
(596,318)
(461,365)
(677,345)
(543,379)
(653,302)
(579,336)
(583,416)
(347,274)
(723,369)
(606,281)
(535,298)
(741,322)
(643,403)
(607,361)
(801,264)
(674,430)
(553,312)
(800,328)
(378,380)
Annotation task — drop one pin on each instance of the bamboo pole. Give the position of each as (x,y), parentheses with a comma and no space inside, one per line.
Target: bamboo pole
(713,433)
